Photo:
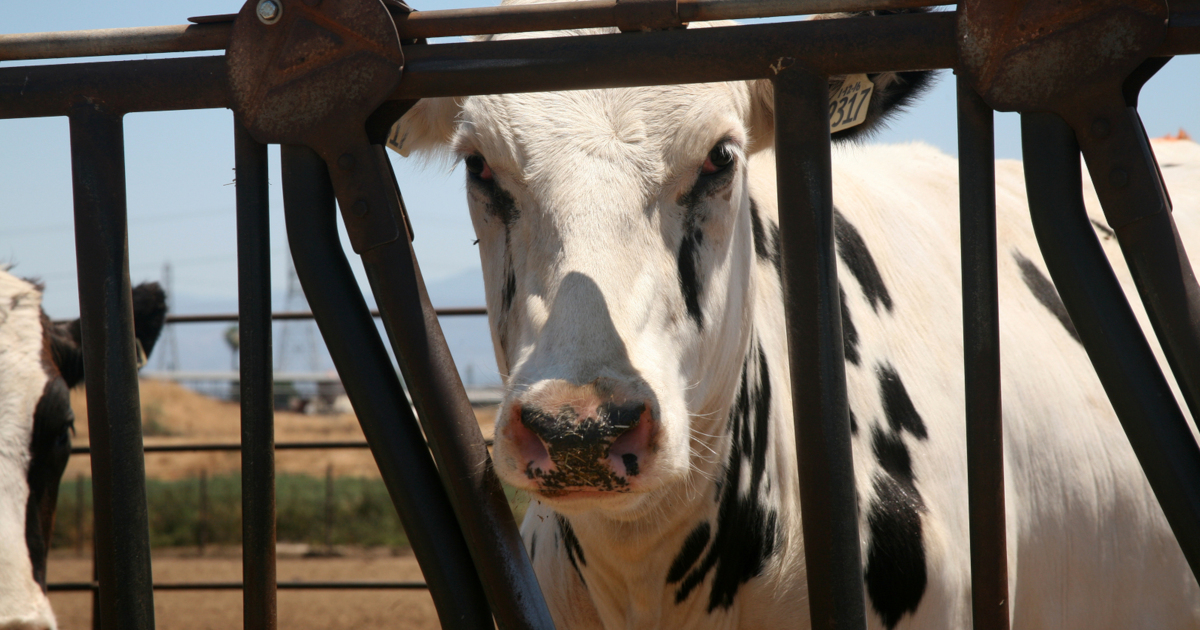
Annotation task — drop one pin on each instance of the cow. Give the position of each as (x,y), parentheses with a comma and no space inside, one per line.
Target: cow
(631,254)
(40,362)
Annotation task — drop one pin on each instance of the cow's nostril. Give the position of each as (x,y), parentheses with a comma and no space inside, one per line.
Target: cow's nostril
(569,427)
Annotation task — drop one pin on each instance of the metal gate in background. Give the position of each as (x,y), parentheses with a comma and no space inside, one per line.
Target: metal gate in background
(1073,72)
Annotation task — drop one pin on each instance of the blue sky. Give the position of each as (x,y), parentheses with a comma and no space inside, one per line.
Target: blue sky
(179,171)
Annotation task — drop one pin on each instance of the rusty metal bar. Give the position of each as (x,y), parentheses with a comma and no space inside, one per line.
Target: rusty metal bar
(114,41)
(218,447)
(1108,328)
(454,437)
(832,548)
(894,42)
(257,383)
(122,531)
(981,360)
(61,587)
(384,412)
(421,24)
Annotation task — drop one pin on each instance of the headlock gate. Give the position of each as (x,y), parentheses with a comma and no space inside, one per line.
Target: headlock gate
(1073,80)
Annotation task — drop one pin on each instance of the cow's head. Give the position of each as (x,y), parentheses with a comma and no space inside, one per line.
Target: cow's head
(617,239)
(39,363)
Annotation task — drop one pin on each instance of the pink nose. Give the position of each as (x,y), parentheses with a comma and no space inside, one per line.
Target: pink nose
(581,440)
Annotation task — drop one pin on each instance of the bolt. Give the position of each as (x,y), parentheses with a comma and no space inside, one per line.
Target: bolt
(1118,178)
(1101,128)
(269,11)
(360,208)
(346,162)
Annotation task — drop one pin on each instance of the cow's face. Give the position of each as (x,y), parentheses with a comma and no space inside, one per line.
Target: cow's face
(615,232)
(35,425)
(617,236)
(39,363)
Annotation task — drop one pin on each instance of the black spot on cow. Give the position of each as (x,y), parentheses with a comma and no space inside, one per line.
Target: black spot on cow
(896,574)
(849,332)
(501,204)
(574,549)
(1043,290)
(747,529)
(893,455)
(50,448)
(693,546)
(533,546)
(852,249)
(853,422)
(897,405)
(689,276)
(766,238)
(510,288)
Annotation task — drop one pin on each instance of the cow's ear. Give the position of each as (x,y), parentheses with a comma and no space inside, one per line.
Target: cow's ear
(428,126)
(66,350)
(149,314)
(892,93)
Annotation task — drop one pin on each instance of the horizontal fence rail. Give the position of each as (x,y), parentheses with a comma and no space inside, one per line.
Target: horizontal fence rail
(213,32)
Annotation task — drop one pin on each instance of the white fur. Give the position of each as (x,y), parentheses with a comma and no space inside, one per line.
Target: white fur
(597,177)
(22,377)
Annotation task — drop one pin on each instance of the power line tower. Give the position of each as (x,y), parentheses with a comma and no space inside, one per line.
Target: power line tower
(168,354)
(297,337)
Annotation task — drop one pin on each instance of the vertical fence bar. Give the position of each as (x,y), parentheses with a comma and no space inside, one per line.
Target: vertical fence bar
(833,556)
(981,359)
(1107,327)
(122,538)
(384,412)
(453,433)
(257,383)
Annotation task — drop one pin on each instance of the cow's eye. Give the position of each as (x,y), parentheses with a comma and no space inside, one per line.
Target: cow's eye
(478,167)
(718,159)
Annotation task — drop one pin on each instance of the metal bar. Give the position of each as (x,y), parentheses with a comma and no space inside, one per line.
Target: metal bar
(1108,328)
(981,360)
(833,558)
(895,42)
(1136,205)
(374,390)
(454,437)
(279,446)
(422,24)
(201,318)
(61,587)
(257,383)
(114,41)
(732,53)
(110,365)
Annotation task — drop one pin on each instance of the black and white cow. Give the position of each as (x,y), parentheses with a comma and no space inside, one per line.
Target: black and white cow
(629,240)
(39,363)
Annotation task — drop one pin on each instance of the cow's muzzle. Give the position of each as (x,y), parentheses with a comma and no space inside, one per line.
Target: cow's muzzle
(581,439)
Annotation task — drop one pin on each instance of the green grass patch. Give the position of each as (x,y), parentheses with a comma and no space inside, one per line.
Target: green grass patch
(360,512)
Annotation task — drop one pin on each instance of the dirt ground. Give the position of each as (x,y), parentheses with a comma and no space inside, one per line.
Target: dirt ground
(175,415)
(297,609)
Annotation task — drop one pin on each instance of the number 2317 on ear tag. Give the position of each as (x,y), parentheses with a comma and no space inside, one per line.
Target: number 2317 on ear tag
(849,103)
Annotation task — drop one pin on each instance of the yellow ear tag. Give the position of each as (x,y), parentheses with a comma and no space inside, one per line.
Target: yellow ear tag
(849,103)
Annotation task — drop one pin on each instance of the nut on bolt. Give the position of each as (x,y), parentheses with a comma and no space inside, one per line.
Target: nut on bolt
(269,11)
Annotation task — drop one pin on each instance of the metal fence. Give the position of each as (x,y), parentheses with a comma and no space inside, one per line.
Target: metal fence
(1044,64)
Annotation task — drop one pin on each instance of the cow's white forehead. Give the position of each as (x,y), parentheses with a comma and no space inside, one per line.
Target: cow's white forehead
(656,132)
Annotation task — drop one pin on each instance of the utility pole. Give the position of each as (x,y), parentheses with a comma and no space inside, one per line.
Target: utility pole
(168,347)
